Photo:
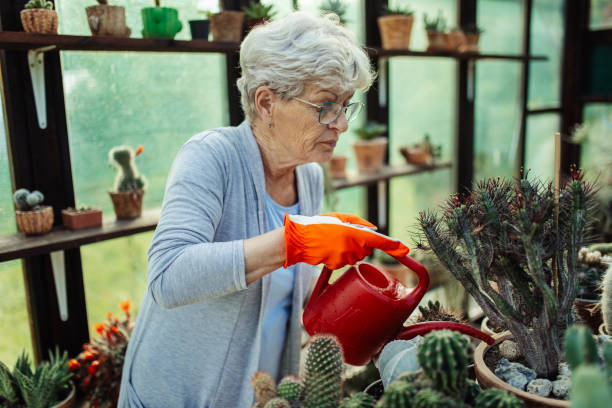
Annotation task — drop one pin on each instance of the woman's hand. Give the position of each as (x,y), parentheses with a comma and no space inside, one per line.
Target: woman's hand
(334,239)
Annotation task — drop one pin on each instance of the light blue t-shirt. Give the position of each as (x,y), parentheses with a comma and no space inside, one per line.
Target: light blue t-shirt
(278,305)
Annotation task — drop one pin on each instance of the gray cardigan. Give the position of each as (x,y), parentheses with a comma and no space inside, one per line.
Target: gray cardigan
(197,337)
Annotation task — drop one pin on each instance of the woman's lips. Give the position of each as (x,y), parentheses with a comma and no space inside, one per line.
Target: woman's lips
(331,143)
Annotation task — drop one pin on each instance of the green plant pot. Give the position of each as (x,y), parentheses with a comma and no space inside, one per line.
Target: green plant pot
(160,22)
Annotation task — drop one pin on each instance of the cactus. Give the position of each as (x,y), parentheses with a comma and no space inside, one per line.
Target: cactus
(428,398)
(39,4)
(606,300)
(496,398)
(590,388)
(580,346)
(358,400)
(417,379)
(264,386)
(443,357)
(435,312)
(26,201)
(128,179)
(398,394)
(277,402)
(290,388)
(323,373)
(472,391)
(506,232)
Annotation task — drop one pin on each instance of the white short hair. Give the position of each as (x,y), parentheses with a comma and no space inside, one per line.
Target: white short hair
(297,50)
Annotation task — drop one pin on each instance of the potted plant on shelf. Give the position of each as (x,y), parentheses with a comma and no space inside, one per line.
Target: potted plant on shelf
(472,35)
(337,166)
(508,233)
(82,217)
(337,7)
(199,28)
(129,184)
(98,367)
(395,27)
(371,147)
(38,16)
(160,22)
(455,39)
(48,385)
(436,37)
(226,25)
(106,20)
(421,153)
(257,13)
(33,218)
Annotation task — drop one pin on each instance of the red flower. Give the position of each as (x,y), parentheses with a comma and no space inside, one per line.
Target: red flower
(73,365)
(125,305)
(139,150)
(99,328)
(88,355)
(93,368)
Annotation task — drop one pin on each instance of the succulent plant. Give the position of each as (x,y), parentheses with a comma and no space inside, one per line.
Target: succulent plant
(323,373)
(371,130)
(471,392)
(358,400)
(429,398)
(606,300)
(128,179)
(264,387)
(435,312)
(257,10)
(496,398)
(337,7)
(437,24)
(580,347)
(398,394)
(290,388)
(277,402)
(28,201)
(39,4)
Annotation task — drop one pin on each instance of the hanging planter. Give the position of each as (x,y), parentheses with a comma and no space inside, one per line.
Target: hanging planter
(160,22)
(39,17)
(105,20)
(227,26)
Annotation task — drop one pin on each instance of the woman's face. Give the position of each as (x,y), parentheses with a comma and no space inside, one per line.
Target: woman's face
(297,126)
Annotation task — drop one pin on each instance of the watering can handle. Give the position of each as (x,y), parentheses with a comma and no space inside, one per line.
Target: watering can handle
(420,329)
(322,282)
(423,285)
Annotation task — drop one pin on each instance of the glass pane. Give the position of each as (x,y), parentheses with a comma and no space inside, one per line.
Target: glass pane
(601,14)
(502,24)
(599,75)
(540,145)
(496,118)
(596,150)
(547,40)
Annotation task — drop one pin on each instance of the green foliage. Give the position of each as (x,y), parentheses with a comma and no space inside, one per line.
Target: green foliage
(337,7)
(358,400)
(277,402)
(429,398)
(258,10)
(580,347)
(397,11)
(290,388)
(606,300)
(398,394)
(264,387)
(371,130)
(323,373)
(26,201)
(590,388)
(434,150)
(128,179)
(39,4)
(496,398)
(472,29)
(437,24)
(443,357)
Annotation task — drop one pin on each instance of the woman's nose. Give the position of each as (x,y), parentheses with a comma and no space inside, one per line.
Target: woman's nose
(340,124)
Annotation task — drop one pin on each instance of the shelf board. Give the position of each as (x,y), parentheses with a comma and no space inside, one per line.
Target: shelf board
(355,179)
(17,40)
(381,52)
(15,246)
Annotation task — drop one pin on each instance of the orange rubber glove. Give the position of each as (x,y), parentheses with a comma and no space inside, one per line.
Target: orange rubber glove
(334,239)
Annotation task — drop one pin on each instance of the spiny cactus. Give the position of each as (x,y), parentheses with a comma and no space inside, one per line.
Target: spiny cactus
(264,387)
(323,373)
(358,400)
(590,388)
(26,201)
(472,391)
(606,300)
(290,388)
(443,357)
(128,179)
(398,394)
(496,398)
(278,402)
(417,379)
(429,398)
(580,346)
(435,312)
(39,4)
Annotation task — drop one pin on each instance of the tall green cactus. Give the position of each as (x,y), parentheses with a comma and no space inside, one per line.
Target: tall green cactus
(590,388)
(496,398)
(398,394)
(443,357)
(264,387)
(128,179)
(358,400)
(323,373)
(606,300)
(580,346)
(290,388)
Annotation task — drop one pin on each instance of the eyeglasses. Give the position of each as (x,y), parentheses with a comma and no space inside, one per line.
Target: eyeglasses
(329,112)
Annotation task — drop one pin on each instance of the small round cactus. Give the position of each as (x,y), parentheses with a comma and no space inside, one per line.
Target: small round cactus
(323,373)
(398,394)
(278,402)
(417,379)
(290,388)
(264,386)
(428,398)
(358,400)
(39,4)
(496,398)
(472,391)
(443,357)
(28,201)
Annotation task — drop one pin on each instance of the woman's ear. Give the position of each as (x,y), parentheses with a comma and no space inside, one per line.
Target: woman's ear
(264,101)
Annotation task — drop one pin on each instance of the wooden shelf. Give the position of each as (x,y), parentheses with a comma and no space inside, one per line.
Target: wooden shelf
(17,40)
(15,246)
(381,52)
(354,179)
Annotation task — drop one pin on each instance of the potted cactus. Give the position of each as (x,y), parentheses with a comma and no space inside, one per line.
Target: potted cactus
(226,25)
(81,217)
(106,20)
(395,27)
(508,233)
(200,28)
(38,16)
(436,37)
(257,13)
(160,22)
(129,184)
(472,36)
(371,147)
(455,39)
(33,218)
(421,153)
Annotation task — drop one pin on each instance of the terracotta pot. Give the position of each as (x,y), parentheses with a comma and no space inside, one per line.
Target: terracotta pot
(436,41)
(588,313)
(35,222)
(370,154)
(337,167)
(227,26)
(82,219)
(69,400)
(105,20)
(487,379)
(454,40)
(395,31)
(471,44)
(127,205)
(39,21)
(415,155)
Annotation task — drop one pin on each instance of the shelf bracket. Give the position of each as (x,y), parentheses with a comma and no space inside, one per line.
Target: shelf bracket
(59,276)
(36,62)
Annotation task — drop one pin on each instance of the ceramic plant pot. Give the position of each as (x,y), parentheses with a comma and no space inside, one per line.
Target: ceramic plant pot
(415,155)
(75,220)
(36,222)
(40,21)
(160,22)
(370,154)
(395,31)
(455,40)
(199,29)
(436,41)
(471,44)
(127,205)
(105,20)
(227,26)
(337,167)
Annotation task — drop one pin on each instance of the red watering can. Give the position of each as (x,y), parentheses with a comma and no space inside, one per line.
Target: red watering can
(365,308)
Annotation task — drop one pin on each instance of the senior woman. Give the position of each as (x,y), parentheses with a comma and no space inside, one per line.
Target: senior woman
(230,262)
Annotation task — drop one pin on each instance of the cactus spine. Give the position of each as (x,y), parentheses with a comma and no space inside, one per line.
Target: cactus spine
(606,300)
(264,386)
(443,357)
(429,398)
(398,394)
(496,398)
(290,388)
(580,347)
(128,179)
(358,400)
(323,373)
(278,402)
